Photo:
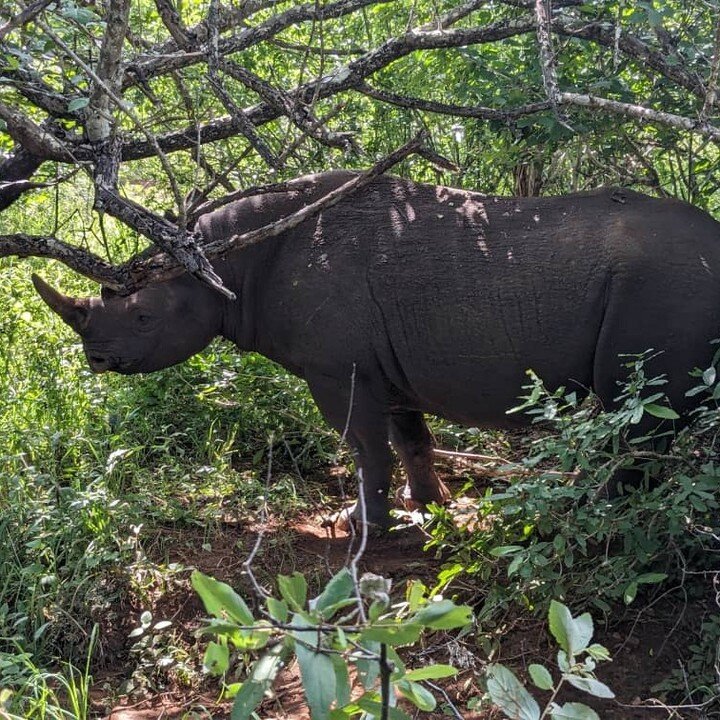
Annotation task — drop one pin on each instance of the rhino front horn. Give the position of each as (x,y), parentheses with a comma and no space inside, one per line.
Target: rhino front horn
(75,312)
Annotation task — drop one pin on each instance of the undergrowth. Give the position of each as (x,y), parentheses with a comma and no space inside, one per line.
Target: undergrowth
(553,531)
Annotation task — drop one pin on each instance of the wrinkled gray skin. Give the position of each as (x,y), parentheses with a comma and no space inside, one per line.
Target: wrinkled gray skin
(414,298)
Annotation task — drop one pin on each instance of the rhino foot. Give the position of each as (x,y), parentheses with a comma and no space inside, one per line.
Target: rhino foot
(404,497)
(348,520)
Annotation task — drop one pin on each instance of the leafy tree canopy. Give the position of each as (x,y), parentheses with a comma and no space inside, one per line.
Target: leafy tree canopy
(151,109)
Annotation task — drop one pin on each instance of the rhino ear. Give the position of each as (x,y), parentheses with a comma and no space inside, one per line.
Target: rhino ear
(75,312)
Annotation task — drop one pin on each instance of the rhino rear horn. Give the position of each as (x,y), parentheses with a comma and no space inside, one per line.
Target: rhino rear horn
(74,311)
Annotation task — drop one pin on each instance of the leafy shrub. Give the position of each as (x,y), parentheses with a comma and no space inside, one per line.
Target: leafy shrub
(573,635)
(349,623)
(552,533)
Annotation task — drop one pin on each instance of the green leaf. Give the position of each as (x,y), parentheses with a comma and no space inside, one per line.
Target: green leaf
(651,578)
(251,639)
(377,610)
(370,703)
(259,682)
(78,103)
(241,638)
(317,671)
(217,659)
(503,550)
(443,615)
(590,685)
(344,713)
(330,610)
(277,609)
(660,411)
(293,588)
(573,635)
(416,694)
(541,677)
(574,711)
(341,641)
(81,15)
(709,376)
(563,661)
(516,564)
(509,694)
(598,652)
(395,634)
(630,593)
(415,595)
(396,661)
(368,669)
(342,680)
(221,600)
(431,672)
(338,589)
(230,690)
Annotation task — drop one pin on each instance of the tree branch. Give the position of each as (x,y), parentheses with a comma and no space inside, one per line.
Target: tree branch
(283,104)
(184,247)
(142,270)
(161,62)
(711,91)
(240,119)
(15,172)
(477,111)
(344,78)
(642,113)
(24,17)
(31,86)
(107,81)
(81,261)
(547,57)
(34,138)
(163,267)
(633,47)
(172,21)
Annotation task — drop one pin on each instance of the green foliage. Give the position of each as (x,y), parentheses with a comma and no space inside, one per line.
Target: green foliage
(326,642)
(552,532)
(90,466)
(699,665)
(30,693)
(573,635)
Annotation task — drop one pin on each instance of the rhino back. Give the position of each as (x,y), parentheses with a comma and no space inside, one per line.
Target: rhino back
(446,297)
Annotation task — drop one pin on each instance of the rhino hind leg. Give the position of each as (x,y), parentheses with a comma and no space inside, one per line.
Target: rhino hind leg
(413,443)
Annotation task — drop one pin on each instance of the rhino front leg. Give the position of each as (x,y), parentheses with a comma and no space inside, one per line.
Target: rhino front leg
(413,442)
(367,434)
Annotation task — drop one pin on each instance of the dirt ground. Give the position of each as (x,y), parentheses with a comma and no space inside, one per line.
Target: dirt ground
(644,649)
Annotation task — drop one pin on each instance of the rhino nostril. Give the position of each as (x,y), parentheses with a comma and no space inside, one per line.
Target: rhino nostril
(97,360)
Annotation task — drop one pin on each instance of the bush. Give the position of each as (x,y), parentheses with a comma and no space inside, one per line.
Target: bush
(552,533)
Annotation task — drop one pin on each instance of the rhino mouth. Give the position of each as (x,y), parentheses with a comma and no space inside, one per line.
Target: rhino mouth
(102,363)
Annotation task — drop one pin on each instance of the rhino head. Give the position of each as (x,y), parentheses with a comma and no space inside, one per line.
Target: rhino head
(156,327)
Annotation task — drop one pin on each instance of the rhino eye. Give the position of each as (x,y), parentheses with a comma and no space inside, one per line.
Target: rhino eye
(143,319)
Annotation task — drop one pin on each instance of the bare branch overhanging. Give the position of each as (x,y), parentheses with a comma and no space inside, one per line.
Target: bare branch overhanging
(231,30)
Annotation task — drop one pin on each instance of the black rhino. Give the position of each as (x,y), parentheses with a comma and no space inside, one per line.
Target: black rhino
(412,299)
